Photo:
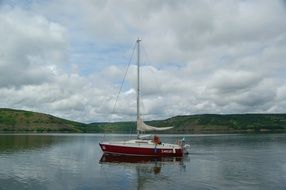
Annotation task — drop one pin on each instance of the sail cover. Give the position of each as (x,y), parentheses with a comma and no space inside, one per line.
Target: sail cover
(141,126)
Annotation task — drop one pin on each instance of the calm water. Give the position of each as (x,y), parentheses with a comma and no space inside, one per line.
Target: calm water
(57,161)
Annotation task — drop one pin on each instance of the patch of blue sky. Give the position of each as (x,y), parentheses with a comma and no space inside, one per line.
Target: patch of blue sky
(25,4)
(167,63)
(91,57)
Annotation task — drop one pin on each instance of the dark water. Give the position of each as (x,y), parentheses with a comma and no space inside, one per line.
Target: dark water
(57,161)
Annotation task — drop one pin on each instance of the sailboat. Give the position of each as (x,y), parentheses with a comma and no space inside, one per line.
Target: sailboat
(144,145)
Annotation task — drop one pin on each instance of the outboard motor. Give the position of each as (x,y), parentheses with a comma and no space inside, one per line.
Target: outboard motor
(186,147)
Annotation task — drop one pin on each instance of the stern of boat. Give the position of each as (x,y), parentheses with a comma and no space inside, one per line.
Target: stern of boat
(185,146)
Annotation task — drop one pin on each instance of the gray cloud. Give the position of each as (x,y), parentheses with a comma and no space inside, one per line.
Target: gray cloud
(68,57)
(30,47)
(227,81)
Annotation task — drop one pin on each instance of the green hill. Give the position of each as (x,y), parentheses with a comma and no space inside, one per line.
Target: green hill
(226,123)
(105,127)
(20,121)
(207,123)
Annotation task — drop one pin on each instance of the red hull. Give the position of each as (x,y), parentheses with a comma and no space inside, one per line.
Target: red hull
(140,151)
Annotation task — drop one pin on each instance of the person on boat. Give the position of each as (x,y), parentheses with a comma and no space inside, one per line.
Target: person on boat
(156,140)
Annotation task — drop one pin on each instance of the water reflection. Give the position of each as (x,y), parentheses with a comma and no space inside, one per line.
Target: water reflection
(48,161)
(19,142)
(147,169)
(75,161)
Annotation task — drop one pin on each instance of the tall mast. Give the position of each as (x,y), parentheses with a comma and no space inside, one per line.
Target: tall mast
(138,83)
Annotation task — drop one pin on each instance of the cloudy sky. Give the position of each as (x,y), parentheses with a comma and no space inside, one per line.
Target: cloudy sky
(68,57)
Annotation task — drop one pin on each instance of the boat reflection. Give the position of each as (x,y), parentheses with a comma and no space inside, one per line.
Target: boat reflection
(137,159)
(148,169)
(156,163)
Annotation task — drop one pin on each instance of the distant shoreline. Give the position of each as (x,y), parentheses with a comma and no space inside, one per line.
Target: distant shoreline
(21,121)
(128,133)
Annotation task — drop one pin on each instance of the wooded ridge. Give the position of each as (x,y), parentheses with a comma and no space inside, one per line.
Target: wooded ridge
(12,120)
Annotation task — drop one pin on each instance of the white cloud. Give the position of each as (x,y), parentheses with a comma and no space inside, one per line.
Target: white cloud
(227,81)
(30,45)
(68,57)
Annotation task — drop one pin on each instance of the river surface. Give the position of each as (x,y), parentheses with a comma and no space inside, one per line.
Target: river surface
(75,161)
